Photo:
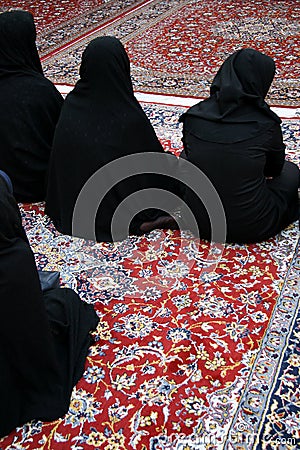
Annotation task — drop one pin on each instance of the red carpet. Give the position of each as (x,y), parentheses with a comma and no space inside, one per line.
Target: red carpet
(185,358)
(49,13)
(176,47)
(175,345)
(184,48)
(60,22)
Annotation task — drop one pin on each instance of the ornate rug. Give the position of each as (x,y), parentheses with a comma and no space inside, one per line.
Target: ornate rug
(187,356)
(49,14)
(176,47)
(59,23)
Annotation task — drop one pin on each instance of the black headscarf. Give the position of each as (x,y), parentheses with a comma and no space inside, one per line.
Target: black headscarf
(101,121)
(236,109)
(44,338)
(18,52)
(29,108)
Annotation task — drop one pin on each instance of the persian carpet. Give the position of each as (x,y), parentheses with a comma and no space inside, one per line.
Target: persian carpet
(176,47)
(48,13)
(188,354)
(58,23)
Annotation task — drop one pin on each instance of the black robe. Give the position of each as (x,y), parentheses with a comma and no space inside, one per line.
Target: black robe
(236,141)
(101,121)
(29,108)
(44,338)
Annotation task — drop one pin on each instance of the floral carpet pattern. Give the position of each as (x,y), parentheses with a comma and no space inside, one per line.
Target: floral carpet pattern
(188,354)
(176,47)
(49,13)
(61,22)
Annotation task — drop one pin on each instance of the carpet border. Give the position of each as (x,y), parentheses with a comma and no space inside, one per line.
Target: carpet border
(240,426)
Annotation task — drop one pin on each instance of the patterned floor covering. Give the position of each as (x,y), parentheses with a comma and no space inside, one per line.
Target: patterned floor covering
(50,14)
(176,47)
(187,355)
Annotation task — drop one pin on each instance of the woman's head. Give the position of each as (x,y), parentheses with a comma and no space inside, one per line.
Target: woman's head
(17,42)
(105,65)
(236,99)
(246,75)
(255,71)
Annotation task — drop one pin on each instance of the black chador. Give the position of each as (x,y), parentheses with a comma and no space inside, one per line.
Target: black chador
(101,121)
(44,337)
(235,139)
(29,108)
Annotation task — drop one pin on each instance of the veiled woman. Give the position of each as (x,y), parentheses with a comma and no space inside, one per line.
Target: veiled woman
(235,139)
(29,108)
(44,337)
(101,121)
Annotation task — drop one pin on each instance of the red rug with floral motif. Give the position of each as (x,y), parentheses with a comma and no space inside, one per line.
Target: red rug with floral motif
(50,14)
(176,47)
(187,355)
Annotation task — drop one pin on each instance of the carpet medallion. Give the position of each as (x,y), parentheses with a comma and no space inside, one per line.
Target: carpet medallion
(176,47)
(185,358)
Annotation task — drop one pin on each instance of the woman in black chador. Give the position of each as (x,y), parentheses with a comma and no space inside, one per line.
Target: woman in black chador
(101,121)
(44,337)
(29,108)
(236,140)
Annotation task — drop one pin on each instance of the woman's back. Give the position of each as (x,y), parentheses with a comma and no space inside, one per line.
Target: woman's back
(44,336)
(30,106)
(101,121)
(237,171)
(236,140)
(28,115)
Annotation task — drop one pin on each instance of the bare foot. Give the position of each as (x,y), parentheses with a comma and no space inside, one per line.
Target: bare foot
(163,222)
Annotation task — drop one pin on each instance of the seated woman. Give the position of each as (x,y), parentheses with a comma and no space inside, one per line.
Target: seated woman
(44,338)
(29,109)
(101,121)
(235,139)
